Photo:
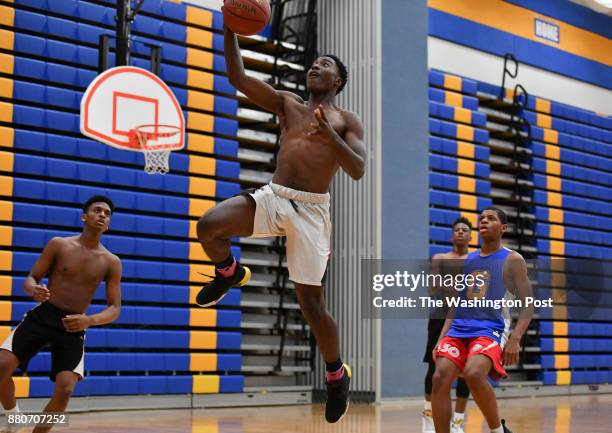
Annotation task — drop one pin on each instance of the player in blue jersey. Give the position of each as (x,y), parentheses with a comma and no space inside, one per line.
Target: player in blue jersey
(473,343)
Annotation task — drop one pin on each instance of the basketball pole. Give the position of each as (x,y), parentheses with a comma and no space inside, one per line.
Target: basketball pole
(124,19)
(124,24)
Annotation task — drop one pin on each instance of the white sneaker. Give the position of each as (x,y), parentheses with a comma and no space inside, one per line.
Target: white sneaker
(457,426)
(428,424)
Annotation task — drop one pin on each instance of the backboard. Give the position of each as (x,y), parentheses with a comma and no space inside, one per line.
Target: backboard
(122,99)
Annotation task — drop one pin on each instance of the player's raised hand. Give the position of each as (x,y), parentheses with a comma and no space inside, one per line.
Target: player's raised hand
(40,293)
(322,125)
(76,322)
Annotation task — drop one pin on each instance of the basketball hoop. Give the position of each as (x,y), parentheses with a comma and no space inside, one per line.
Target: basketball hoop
(156,142)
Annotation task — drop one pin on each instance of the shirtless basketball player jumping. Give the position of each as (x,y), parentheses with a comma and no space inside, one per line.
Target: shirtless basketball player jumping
(317,138)
(75,265)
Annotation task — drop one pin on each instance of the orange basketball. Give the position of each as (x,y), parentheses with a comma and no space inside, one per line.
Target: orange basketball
(246,17)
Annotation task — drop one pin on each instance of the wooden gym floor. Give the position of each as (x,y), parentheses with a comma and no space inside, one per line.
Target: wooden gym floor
(578,414)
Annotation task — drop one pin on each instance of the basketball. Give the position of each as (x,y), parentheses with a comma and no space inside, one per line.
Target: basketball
(246,17)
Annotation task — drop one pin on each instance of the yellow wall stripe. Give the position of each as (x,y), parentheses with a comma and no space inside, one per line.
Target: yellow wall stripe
(7,16)
(4,332)
(22,387)
(561,361)
(202,165)
(198,207)
(202,186)
(520,22)
(544,121)
(200,122)
(473,218)
(7,40)
(7,137)
(509,93)
(452,98)
(6,112)
(6,88)
(6,309)
(564,378)
(557,248)
(200,143)
(555,216)
(468,202)
(553,183)
(199,16)
(560,329)
(6,261)
(206,384)
(552,152)
(465,132)
(203,362)
(553,167)
(452,82)
(6,288)
(7,161)
(462,115)
(466,184)
(7,64)
(6,236)
(557,231)
(196,252)
(202,340)
(196,271)
(199,37)
(542,105)
(200,79)
(203,317)
(465,150)
(199,58)
(193,291)
(193,229)
(6,211)
(200,100)
(465,166)
(561,344)
(554,199)
(551,136)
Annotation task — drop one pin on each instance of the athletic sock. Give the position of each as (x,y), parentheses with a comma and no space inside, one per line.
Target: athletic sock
(227,267)
(499,429)
(427,405)
(458,416)
(334,371)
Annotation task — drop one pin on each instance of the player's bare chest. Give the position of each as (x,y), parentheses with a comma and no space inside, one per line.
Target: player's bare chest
(299,118)
(81,263)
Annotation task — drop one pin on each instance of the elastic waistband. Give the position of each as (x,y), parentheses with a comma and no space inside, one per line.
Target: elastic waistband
(50,308)
(294,194)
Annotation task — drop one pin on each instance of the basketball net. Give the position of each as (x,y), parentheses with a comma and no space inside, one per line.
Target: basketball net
(156,142)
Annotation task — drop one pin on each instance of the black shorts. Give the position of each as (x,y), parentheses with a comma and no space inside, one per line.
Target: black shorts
(43,326)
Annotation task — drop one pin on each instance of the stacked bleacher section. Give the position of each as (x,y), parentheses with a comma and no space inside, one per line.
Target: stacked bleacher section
(571,208)
(459,176)
(162,343)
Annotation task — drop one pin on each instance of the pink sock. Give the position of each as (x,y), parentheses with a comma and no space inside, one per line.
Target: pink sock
(334,376)
(229,271)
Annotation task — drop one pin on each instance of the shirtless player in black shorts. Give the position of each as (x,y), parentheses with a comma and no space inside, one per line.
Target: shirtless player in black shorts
(75,267)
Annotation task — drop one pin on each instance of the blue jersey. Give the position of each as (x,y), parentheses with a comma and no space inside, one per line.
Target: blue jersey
(488,322)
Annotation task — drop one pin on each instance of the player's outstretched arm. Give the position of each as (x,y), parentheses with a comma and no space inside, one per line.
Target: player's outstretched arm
(259,92)
(32,285)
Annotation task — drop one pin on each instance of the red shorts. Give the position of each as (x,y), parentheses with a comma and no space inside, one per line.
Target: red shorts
(459,351)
